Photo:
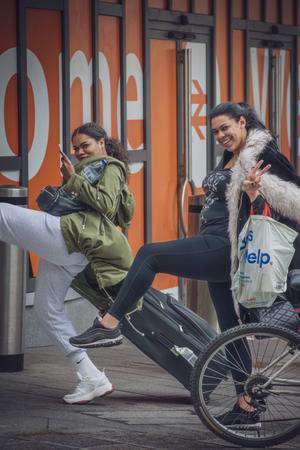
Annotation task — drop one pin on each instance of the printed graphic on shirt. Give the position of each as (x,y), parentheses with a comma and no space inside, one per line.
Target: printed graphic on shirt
(214,186)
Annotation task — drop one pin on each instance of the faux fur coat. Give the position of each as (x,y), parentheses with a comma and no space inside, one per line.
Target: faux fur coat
(280,186)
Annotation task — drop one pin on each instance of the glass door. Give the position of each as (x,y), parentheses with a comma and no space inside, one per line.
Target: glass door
(179,151)
(194,148)
(270,91)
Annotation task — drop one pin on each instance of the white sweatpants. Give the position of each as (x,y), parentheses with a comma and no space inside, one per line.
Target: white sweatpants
(41,233)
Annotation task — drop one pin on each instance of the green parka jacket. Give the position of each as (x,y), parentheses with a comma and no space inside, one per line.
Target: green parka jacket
(95,233)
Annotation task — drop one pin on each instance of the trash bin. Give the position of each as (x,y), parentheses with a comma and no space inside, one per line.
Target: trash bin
(198,298)
(13,262)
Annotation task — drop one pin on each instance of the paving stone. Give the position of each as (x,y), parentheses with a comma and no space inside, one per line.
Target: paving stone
(149,409)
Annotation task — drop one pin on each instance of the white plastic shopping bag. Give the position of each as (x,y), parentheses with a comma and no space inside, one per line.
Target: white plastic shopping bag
(265,250)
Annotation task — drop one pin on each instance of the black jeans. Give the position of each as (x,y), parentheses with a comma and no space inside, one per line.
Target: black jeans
(203,257)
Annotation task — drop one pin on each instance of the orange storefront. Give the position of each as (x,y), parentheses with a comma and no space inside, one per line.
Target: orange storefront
(149,72)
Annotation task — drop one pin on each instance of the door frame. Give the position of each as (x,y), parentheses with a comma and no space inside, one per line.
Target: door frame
(187,27)
(264,34)
(262,40)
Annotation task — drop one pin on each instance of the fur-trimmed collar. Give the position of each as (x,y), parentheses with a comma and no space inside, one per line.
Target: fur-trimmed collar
(283,196)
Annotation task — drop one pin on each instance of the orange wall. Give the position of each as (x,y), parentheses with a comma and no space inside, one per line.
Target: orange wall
(135,123)
(222,49)
(44,46)
(80,40)
(164,146)
(238,66)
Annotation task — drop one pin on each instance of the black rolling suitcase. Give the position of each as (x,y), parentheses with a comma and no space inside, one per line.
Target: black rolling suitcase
(170,334)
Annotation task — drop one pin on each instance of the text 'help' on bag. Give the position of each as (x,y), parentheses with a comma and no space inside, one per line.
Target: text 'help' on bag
(265,250)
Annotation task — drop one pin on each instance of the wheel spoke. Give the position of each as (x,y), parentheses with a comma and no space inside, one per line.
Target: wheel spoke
(244,361)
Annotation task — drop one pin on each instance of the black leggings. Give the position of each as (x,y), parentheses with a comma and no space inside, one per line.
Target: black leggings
(204,257)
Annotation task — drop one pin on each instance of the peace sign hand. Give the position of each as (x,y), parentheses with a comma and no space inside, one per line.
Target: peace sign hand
(252,182)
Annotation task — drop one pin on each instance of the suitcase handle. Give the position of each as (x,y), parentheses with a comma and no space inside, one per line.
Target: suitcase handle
(128,318)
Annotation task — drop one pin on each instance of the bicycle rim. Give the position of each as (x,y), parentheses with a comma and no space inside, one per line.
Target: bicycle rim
(268,377)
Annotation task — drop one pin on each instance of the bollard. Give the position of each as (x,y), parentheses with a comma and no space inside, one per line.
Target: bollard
(198,298)
(13,264)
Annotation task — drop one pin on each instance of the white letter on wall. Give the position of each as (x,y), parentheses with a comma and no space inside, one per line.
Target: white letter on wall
(41,110)
(8,64)
(134,107)
(80,68)
(104,77)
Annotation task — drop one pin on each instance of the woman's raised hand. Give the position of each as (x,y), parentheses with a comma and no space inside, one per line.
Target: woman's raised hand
(252,182)
(67,168)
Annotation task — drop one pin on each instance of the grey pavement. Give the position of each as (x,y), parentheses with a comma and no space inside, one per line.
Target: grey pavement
(148,410)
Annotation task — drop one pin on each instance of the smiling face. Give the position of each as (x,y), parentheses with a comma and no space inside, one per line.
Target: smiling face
(86,146)
(230,133)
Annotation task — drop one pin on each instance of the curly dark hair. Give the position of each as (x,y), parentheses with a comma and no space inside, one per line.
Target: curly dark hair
(113,147)
(237,110)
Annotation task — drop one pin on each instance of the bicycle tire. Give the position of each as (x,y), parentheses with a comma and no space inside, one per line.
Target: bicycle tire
(198,373)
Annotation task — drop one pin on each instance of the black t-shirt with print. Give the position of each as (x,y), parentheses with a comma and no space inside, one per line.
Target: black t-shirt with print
(214,214)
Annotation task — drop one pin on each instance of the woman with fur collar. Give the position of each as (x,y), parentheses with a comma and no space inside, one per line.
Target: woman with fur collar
(279,185)
(207,256)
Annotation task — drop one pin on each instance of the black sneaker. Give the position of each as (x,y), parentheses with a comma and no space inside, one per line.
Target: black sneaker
(239,417)
(97,336)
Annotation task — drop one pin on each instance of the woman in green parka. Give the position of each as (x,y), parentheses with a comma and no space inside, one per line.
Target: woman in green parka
(86,250)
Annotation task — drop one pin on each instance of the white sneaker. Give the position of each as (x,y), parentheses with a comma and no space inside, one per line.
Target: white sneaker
(88,389)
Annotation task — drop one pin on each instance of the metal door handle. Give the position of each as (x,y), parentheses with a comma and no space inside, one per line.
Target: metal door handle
(182,207)
(186,183)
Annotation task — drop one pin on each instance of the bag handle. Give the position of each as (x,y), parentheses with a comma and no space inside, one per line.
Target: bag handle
(266,211)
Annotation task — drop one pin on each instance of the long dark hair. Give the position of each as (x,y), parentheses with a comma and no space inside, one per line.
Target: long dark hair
(236,111)
(113,147)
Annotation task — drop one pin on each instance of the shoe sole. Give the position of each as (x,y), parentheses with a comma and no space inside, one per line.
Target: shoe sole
(102,343)
(85,402)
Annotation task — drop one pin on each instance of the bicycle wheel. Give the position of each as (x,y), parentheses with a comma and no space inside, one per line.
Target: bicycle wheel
(271,384)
